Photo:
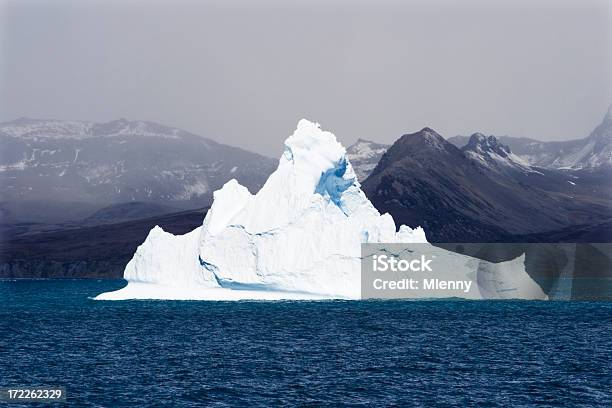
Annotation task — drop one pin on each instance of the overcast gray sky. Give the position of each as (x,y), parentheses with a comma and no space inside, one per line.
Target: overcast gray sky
(244,72)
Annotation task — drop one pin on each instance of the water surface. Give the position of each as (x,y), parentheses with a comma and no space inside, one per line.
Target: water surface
(314,353)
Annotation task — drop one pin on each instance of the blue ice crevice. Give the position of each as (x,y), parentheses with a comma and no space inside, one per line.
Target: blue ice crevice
(332,183)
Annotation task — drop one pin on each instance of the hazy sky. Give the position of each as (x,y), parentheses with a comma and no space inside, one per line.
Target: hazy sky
(244,72)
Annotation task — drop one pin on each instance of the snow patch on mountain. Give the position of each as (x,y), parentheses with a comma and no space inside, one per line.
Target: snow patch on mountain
(26,128)
(364,156)
(38,128)
(490,152)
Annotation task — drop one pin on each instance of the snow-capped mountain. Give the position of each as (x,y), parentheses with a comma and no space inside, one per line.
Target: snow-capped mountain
(364,156)
(590,153)
(482,193)
(491,153)
(595,152)
(118,161)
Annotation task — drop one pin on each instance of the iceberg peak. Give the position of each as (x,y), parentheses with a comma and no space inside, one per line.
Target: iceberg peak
(311,152)
(309,140)
(312,171)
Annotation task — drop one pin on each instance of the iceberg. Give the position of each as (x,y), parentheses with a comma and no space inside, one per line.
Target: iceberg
(299,237)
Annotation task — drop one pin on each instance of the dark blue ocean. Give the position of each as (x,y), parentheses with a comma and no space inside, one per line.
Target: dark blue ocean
(331,353)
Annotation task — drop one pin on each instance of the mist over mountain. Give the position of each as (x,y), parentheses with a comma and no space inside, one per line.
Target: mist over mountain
(121,161)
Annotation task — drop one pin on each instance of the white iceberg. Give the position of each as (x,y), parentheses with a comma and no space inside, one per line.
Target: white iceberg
(298,238)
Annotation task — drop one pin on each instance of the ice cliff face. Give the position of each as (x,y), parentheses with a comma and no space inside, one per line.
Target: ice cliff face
(302,231)
(298,237)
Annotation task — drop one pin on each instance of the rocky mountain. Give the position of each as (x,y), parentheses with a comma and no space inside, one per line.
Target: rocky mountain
(364,156)
(592,152)
(464,196)
(116,162)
